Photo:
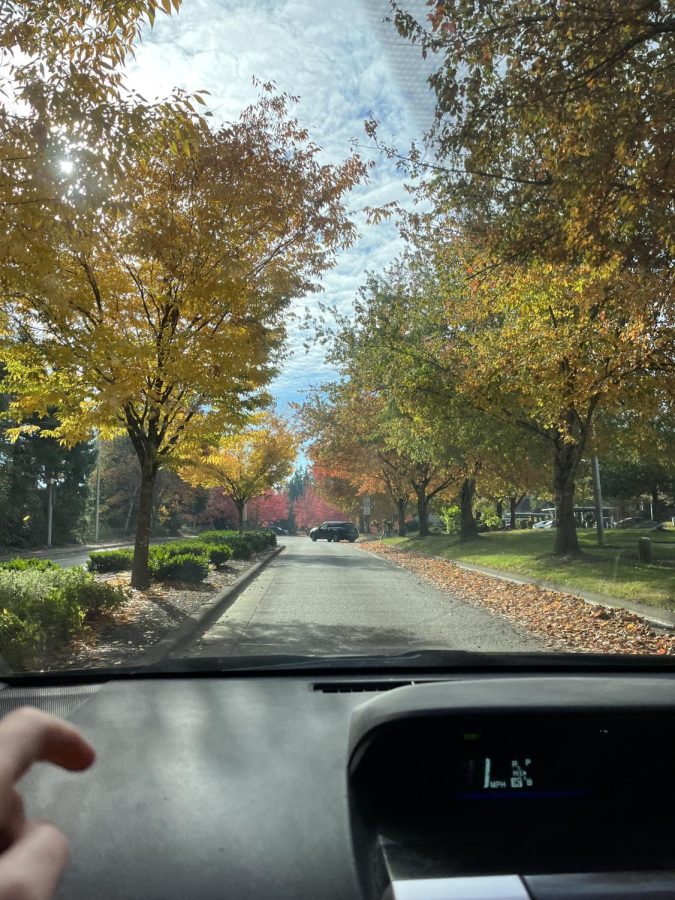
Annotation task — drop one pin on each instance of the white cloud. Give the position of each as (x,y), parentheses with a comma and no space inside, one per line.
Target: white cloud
(344,63)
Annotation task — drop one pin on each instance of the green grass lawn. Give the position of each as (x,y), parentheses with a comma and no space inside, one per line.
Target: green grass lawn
(614,570)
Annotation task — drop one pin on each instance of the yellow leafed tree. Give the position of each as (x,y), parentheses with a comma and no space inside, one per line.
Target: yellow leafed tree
(161,313)
(64,103)
(247,464)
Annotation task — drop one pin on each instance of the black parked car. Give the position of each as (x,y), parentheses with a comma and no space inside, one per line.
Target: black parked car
(335,531)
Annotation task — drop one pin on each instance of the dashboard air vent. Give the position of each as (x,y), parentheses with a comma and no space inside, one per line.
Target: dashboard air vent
(358,687)
(59,701)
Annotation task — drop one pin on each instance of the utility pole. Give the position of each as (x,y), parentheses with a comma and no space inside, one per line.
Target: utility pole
(50,508)
(98,487)
(597,495)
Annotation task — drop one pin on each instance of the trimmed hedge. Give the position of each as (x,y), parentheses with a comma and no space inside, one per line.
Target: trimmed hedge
(217,547)
(261,540)
(217,537)
(241,548)
(218,556)
(243,545)
(40,610)
(111,560)
(173,565)
(269,536)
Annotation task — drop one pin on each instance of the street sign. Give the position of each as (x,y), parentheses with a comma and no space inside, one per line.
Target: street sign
(366,506)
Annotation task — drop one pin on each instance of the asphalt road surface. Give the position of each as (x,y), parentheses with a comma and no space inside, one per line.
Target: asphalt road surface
(69,558)
(79,559)
(334,599)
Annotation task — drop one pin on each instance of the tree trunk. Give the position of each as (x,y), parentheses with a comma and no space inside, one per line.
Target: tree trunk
(468,528)
(499,508)
(240,516)
(401,504)
(513,503)
(140,573)
(422,512)
(656,502)
(566,461)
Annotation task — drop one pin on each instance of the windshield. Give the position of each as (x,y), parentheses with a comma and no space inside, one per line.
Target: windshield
(335,330)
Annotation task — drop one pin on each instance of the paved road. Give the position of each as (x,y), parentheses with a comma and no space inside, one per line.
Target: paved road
(331,599)
(69,558)
(80,559)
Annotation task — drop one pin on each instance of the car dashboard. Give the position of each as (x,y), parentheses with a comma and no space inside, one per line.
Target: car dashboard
(336,785)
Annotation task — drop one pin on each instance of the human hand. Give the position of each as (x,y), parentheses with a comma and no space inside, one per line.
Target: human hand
(33,854)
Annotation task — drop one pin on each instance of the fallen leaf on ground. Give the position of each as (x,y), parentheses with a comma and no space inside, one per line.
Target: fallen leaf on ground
(563,621)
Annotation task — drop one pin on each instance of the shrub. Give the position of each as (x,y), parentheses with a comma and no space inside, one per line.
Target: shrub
(261,538)
(81,588)
(111,560)
(167,566)
(180,548)
(19,639)
(218,556)
(238,543)
(43,606)
(270,537)
(452,519)
(40,610)
(256,540)
(38,598)
(216,537)
(21,565)
(492,520)
(241,548)
(243,545)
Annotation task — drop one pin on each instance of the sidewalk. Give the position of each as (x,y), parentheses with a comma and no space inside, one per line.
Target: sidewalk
(663,618)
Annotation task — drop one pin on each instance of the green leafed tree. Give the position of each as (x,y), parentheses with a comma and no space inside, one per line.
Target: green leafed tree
(25,467)
(553,128)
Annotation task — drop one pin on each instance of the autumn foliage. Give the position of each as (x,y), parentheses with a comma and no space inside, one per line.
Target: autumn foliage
(156,306)
(247,464)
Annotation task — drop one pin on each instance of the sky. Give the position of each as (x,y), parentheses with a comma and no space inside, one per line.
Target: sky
(345,63)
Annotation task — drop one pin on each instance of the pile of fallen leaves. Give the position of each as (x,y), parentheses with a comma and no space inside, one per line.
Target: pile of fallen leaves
(564,621)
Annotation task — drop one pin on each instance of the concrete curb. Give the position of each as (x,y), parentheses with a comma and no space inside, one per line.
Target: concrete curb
(195,624)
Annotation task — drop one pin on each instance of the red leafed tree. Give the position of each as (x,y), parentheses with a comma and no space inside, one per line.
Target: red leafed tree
(272,507)
(311,509)
(220,511)
(266,510)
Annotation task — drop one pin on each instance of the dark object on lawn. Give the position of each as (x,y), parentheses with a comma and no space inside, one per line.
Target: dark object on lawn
(645,550)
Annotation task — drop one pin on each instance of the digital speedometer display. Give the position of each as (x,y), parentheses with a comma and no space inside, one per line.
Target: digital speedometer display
(500,774)
(511,775)
(491,766)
